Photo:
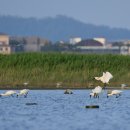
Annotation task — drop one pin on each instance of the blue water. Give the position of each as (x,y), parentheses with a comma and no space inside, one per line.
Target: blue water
(58,111)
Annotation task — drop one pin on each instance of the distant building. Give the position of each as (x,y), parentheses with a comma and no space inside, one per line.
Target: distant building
(123,45)
(89,43)
(95,46)
(30,44)
(127,44)
(101,40)
(34,44)
(75,40)
(5,48)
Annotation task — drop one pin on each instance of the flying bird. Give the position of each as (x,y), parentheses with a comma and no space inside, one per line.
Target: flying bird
(105,78)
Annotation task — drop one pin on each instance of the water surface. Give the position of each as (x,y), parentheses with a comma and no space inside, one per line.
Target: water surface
(58,111)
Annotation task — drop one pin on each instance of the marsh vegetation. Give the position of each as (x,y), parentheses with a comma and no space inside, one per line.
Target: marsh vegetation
(44,70)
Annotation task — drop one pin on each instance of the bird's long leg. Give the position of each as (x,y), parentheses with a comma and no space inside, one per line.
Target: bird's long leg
(117,96)
(25,95)
(94,95)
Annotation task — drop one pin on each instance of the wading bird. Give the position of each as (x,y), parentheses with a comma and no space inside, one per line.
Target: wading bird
(105,78)
(25,84)
(95,92)
(23,92)
(59,84)
(114,92)
(68,91)
(8,93)
(123,86)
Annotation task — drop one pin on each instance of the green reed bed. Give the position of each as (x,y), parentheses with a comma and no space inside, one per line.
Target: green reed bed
(44,70)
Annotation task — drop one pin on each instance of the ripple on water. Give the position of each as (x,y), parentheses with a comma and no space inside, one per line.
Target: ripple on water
(56,111)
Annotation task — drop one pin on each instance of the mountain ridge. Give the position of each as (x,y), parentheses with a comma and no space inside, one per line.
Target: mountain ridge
(58,28)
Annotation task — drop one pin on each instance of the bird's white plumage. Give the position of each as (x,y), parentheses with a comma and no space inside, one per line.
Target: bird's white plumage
(23,92)
(59,84)
(108,76)
(26,83)
(68,91)
(96,91)
(123,86)
(91,94)
(8,93)
(105,77)
(115,92)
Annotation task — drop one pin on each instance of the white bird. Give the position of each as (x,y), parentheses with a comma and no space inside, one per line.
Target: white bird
(91,94)
(68,91)
(59,84)
(26,83)
(105,77)
(123,86)
(95,92)
(23,92)
(115,92)
(8,93)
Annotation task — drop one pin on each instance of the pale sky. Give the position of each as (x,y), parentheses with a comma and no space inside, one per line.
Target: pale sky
(114,13)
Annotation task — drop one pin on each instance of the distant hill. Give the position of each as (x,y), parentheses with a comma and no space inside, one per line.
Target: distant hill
(58,28)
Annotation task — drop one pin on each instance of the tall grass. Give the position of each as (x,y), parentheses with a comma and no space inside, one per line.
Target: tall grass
(74,70)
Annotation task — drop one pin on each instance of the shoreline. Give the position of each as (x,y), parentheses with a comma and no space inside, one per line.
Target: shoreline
(107,88)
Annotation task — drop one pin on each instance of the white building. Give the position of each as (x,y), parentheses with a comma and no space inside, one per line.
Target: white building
(101,40)
(75,40)
(5,48)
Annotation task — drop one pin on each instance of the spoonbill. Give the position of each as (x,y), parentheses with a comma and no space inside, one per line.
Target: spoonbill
(25,84)
(123,86)
(91,94)
(23,92)
(8,93)
(114,92)
(96,91)
(59,84)
(105,78)
(68,91)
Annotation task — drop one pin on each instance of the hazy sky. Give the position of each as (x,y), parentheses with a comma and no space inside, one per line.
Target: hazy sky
(114,13)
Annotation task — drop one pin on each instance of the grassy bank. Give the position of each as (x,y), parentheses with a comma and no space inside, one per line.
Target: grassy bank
(44,70)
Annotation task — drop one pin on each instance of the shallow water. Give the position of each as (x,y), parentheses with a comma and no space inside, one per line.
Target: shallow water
(58,111)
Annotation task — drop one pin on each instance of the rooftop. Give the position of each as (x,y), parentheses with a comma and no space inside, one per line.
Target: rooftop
(89,42)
